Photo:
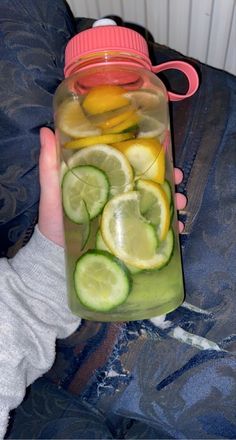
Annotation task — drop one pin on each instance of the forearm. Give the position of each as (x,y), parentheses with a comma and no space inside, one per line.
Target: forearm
(34,313)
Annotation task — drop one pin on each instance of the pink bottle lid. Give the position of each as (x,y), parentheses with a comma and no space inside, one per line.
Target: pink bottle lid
(105,38)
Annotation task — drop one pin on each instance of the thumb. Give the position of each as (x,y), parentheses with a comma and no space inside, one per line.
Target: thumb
(50,210)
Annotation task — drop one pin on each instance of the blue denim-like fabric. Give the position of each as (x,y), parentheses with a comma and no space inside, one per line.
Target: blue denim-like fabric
(137,379)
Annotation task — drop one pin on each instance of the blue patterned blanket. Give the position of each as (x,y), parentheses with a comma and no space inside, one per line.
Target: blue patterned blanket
(174,376)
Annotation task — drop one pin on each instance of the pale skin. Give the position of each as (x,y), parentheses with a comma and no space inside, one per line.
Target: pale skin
(50,211)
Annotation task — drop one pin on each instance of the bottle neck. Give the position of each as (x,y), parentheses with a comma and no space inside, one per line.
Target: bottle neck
(105,58)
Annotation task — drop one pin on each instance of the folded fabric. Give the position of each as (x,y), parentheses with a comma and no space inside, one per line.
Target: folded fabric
(32,42)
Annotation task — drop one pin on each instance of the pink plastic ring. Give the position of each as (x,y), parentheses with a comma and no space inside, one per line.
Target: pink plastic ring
(189,72)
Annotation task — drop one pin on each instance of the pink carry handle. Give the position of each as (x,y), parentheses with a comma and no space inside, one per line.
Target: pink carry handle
(189,72)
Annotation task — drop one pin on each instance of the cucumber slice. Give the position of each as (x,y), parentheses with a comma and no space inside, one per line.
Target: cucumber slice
(101,245)
(85,191)
(101,281)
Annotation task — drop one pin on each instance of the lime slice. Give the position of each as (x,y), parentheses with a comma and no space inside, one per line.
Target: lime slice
(104,98)
(154,205)
(101,245)
(129,236)
(102,139)
(146,156)
(84,189)
(111,161)
(101,281)
(149,127)
(144,99)
(72,121)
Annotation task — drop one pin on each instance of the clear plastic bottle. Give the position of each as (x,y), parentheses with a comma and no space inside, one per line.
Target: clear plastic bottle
(112,126)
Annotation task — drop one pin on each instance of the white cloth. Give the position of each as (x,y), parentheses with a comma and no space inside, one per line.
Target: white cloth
(33,313)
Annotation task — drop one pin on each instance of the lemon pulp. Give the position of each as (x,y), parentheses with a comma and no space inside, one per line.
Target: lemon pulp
(110,160)
(154,205)
(104,98)
(72,121)
(146,156)
(122,224)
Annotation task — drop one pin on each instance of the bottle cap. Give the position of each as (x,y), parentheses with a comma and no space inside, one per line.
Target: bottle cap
(105,35)
(104,22)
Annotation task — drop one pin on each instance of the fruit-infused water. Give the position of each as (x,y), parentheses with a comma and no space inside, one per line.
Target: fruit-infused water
(122,249)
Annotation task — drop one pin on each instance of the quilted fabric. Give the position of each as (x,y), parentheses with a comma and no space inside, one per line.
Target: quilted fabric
(32,41)
(172,377)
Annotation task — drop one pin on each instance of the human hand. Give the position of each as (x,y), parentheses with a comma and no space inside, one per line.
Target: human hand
(181,200)
(50,211)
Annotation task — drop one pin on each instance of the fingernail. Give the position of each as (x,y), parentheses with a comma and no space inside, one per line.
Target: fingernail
(181,226)
(181,200)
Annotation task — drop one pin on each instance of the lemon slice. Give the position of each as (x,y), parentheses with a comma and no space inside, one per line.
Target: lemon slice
(102,139)
(144,99)
(101,245)
(72,121)
(149,127)
(154,205)
(146,156)
(111,161)
(168,190)
(104,98)
(112,118)
(131,120)
(126,233)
